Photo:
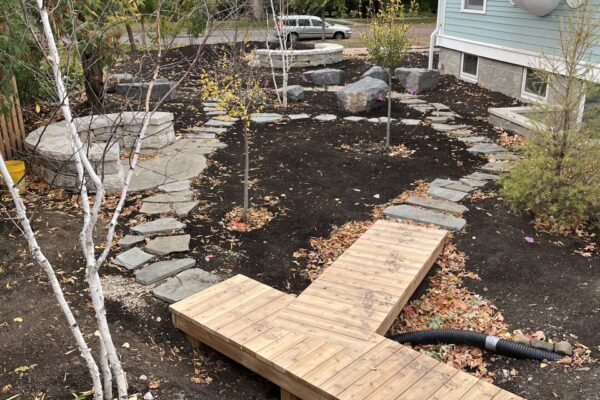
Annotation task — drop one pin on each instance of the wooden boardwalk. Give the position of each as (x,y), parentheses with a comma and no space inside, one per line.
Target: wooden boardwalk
(327,343)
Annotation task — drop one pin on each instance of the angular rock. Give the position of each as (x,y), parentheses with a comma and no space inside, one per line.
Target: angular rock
(128,241)
(447,128)
(377,72)
(294,92)
(181,209)
(175,187)
(162,225)
(411,122)
(496,167)
(486,148)
(163,245)
(420,215)
(417,80)
(138,90)
(132,258)
(354,118)
(115,79)
(437,204)
(446,194)
(264,118)
(185,284)
(563,347)
(363,95)
(541,344)
(450,184)
(473,182)
(162,269)
(295,117)
(176,197)
(480,176)
(323,77)
(325,117)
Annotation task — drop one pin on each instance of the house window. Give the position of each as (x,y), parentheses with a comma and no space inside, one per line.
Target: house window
(533,87)
(469,67)
(475,6)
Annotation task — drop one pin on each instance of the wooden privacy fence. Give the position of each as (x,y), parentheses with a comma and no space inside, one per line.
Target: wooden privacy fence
(12,130)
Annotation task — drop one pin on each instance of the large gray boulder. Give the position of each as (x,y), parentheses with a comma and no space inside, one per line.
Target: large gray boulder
(377,72)
(364,95)
(417,80)
(138,90)
(323,77)
(294,92)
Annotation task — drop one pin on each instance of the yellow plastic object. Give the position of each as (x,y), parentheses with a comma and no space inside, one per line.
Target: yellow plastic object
(16,169)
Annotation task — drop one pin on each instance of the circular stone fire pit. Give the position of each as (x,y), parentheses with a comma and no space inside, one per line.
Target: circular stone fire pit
(51,155)
(322,54)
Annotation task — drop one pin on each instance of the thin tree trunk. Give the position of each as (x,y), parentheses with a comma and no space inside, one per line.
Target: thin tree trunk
(130,36)
(106,374)
(323,22)
(389,113)
(143,35)
(93,71)
(246,173)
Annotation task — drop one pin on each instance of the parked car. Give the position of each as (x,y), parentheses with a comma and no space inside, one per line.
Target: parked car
(295,27)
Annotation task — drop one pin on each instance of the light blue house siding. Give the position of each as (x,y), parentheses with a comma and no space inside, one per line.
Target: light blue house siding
(504,24)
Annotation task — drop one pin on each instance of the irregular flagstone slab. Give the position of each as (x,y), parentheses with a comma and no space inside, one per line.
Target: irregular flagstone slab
(412,101)
(496,167)
(422,108)
(179,186)
(374,120)
(200,135)
(446,127)
(128,241)
(263,118)
(181,209)
(402,96)
(163,245)
(385,119)
(132,258)
(170,197)
(480,176)
(215,113)
(185,284)
(487,148)
(162,225)
(354,118)
(184,208)
(208,129)
(325,117)
(411,122)
(295,117)
(437,204)
(423,216)
(439,120)
(440,106)
(162,269)
(454,185)
(211,104)
(473,182)
(219,123)
(459,133)
(505,157)
(474,139)
(446,194)
(449,114)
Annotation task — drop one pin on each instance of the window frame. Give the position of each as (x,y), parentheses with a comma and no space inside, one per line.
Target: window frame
(303,26)
(465,75)
(464,9)
(528,95)
(318,20)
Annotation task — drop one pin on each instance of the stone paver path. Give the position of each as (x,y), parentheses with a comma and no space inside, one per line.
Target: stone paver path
(163,269)
(133,258)
(421,215)
(164,245)
(185,284)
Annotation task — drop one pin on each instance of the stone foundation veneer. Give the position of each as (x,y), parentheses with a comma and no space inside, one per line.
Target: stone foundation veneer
(322,54)
(51,155)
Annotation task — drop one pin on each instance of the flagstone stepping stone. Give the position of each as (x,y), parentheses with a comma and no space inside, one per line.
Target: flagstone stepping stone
(486,148)
(423,216)
(437,204)
(163,269)
(412,101)
(439,120)
(219,123)
(440,106)
(208,129)
(374,120)
(170,197)
(325,117)
(422,108)
(211,104)
(505,157)
(179,186)
(354,118)
(163,225)
(449,114)
(459,133)
(185,284)
(163,245)
(450,184)
(385,119)
(473,182)
(181,209)
(474,139)
(496,167)
(446,127)
(128,241)
(263,118)
(295,117)
(201,135)
(446,194)
(132,258)
(411,122)
(480,176)
(215,112)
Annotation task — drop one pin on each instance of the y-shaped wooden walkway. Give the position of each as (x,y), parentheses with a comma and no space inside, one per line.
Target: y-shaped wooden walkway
(327,343)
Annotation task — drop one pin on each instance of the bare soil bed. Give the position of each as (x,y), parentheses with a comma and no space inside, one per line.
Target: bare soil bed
(313,177)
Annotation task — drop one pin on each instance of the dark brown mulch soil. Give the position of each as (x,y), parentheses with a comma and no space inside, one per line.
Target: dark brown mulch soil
(314,177)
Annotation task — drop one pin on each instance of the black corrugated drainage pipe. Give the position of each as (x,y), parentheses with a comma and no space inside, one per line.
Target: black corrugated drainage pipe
(481,340)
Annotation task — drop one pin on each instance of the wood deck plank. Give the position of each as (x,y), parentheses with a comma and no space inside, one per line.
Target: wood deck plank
(481,390)
(429,383)
(313,359)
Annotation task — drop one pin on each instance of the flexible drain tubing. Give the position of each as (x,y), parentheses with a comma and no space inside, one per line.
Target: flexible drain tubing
(481,340)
